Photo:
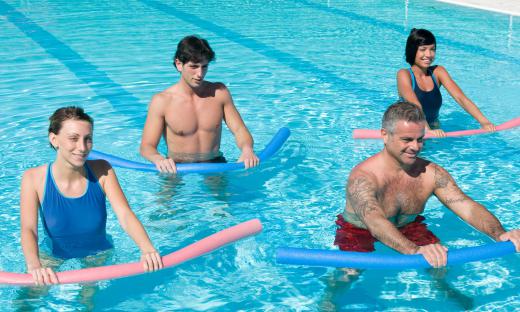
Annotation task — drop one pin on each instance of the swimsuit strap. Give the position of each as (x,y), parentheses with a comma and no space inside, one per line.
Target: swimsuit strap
(430,71)
(91,177)
(433,76)
(413,78)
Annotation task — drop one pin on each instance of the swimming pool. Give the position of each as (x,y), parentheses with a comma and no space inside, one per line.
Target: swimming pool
(321,68)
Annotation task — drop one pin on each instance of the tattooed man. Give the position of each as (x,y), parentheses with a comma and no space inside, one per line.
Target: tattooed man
(387,192)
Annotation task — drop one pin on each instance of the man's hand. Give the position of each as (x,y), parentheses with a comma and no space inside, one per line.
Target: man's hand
(435,254)
(512,236)
(249,158)
(166,165)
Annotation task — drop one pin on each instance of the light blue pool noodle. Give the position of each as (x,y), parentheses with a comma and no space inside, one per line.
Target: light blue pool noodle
(373,260)
(270,149)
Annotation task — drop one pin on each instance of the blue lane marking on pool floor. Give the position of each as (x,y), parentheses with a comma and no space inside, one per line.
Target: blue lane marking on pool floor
(96,79)
(399,28)
(292,61)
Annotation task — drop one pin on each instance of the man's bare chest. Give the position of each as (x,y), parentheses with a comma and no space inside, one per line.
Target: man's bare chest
(189,119)
(403,195)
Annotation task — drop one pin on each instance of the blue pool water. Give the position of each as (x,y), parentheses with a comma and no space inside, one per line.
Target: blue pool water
(321,68)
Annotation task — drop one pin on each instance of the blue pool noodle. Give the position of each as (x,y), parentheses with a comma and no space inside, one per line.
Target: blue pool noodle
(271,148)
(363,260)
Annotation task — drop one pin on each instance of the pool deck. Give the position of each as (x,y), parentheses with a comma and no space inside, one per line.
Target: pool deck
(509,7)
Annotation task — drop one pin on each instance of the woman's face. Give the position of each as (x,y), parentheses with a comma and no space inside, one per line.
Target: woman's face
(73,142)
(425,55)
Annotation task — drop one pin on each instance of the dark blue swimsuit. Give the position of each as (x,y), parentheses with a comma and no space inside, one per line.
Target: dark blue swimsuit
(430,101)
(76,226)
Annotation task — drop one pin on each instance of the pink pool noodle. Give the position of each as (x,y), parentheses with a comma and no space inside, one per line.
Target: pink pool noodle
(192,251)
(376,134)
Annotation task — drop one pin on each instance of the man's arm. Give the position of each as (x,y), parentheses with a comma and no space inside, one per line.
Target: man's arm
(470,211)
(237,126)
(152,131)
(361,195)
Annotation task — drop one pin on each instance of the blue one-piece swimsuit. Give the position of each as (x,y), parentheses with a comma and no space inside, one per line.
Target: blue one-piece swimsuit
(76,226)
(431,101)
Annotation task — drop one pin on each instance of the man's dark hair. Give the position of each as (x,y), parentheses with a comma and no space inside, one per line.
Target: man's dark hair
(193,49)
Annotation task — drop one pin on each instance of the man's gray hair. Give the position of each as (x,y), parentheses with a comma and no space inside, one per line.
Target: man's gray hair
(402,110)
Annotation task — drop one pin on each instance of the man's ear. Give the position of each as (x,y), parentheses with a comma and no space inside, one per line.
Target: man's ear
(384,135)
(178,65)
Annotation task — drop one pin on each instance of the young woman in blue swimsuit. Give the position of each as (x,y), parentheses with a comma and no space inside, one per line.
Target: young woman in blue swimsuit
(70,196)
(421,82)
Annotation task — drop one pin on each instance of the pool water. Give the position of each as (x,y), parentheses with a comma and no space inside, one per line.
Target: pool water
(321,68)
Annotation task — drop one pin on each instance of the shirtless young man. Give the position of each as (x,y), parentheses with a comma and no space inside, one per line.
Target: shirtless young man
(189,114)
(387,192)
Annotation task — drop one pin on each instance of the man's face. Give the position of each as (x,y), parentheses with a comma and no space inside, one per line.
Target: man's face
(405,142)
(192,73)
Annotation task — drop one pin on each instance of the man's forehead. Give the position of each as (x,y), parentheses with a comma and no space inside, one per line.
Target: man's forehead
(197,63)
(409,127)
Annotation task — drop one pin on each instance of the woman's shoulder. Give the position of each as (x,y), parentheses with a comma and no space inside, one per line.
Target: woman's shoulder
(403,73)
(36,171)
(438,69)
(440,73)
(403,76)
(100,167)
(35,176)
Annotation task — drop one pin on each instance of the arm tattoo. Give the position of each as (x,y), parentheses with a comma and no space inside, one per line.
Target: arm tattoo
(361,195)
(441,178)
(455,200)
(391,237)
(390,241)
(494,230)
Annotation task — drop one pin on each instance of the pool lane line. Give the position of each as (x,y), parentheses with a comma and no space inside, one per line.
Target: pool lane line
(470,48)
(292,61)
(97,80)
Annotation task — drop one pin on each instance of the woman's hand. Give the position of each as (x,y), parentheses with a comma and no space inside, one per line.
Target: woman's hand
(151,261)
(438,133)
(43,276)
(488,126)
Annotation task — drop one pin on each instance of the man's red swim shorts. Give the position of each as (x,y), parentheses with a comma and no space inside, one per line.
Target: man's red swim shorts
(352,238)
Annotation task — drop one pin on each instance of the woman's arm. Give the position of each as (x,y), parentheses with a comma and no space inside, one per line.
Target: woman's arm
(404,87)
(29,230)
(149,256)
(458,95)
